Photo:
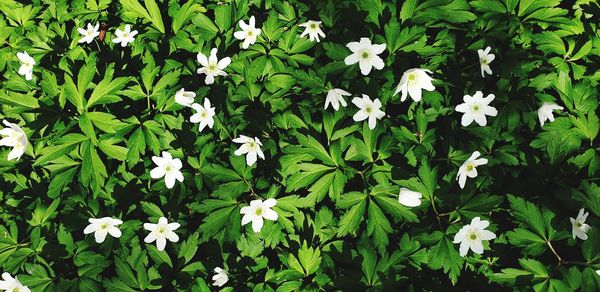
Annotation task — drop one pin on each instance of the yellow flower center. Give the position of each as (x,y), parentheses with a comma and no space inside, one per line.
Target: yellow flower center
(161,230)
(365,55)
(473,236)
(470,167)
(103,226)
(259,211)
(249,33)
(313,25)
(579,224)
(203,114)
(368,109)
(475,108)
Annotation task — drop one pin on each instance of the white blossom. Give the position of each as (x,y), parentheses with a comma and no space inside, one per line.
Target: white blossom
(13,136)
(204,115)
(88,35)
(312,28)
(366,55)
(10,284)
(485,58)
(248,34)
(185,98)
(220,278)
(545,112)
(413,81)
(335,97)
(250,147)
(161,232)
(580,229)
(168,167)
(257,211)
(469,168)
(124,36)
(409,198)
(212,66)
(103,226)
(27,63)
(475,108)
(472,235)
(368,109)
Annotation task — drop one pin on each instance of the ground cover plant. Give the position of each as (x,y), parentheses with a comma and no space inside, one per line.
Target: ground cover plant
(426,145)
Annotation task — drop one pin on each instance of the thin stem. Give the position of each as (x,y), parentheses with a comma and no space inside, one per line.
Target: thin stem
(560,261)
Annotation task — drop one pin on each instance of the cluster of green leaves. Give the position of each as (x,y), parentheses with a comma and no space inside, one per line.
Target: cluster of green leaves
(96,113)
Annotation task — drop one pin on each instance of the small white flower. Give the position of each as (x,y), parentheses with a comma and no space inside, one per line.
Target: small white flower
(598,272)
(27,63)
(124,36)
(257,211)
(469,168)
(580,229)
(470,236)
(161,232)
(545,112)
(409,198)
(366,55)
(10,284)
(312,28)
(335,97)
(88,35)
(476,108)
(250,147)
(168,167)
(412,82)
(368,109)
(103,226)
(212,66)
(204,114)
(185,98)
(248,34)
(220,277)
(14,137)
(485,58)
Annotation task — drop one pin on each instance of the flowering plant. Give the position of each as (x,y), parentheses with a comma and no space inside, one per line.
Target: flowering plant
(161,145)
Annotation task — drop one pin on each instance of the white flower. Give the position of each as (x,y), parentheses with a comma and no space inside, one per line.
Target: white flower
(469,168)
(335,97)
(545,112)
(10,284)
(580,229)
(365,54)
(220,277)
(476,108)
(257,211)
(103,226)
(168,167)
(14,137)
(598,272)
(185,98)
(412,82)
(368,110)
(88,35)
(124,36)
(27,63)
(204,114)
(250,147)
(485,58)
(248,34)
(212,67)
(161,232)
(312,28)
(470,236)
(409,198)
